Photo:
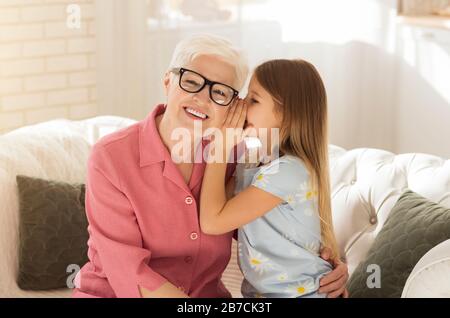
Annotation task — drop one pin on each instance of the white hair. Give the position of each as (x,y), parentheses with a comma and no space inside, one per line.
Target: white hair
(205,44)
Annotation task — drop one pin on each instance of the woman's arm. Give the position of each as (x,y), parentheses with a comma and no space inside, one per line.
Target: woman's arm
(116,235)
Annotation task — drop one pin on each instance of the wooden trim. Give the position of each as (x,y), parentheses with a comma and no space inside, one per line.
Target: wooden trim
(430,21)
(399,7)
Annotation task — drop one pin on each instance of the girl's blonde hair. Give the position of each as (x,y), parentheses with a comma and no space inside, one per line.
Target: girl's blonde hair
(299,95)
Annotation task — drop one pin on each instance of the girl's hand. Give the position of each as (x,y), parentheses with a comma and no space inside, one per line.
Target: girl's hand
(232,130)
(236,114)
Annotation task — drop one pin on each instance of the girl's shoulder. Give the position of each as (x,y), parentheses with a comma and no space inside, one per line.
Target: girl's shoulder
(283,177)
(286,165)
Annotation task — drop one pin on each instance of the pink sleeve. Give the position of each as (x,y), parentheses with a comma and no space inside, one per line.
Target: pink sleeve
(115,232)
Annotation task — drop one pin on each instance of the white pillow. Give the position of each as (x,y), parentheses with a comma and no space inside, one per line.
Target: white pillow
(429,278)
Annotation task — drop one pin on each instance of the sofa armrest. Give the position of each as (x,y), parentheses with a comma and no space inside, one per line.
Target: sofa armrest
(430,277)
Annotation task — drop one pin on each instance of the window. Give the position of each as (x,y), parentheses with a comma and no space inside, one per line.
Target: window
(179,13)
(420,7)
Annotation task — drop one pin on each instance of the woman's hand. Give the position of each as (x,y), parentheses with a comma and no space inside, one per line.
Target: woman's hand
(334,282)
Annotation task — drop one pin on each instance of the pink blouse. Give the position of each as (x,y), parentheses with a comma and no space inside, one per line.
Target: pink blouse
(144,221)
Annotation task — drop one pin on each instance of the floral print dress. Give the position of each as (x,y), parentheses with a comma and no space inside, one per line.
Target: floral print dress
(279,252)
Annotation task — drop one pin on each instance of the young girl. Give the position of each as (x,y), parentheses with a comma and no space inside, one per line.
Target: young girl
(282,208)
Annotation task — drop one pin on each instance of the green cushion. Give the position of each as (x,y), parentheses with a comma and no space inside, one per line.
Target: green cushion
(414,226)
(52,232)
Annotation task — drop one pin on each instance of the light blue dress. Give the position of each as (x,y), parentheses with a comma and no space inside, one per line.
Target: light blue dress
(279,252)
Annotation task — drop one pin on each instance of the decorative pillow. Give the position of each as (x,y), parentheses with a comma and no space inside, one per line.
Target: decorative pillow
(414,226)
(52,232)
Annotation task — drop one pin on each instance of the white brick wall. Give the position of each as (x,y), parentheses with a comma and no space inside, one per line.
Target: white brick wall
(47,70)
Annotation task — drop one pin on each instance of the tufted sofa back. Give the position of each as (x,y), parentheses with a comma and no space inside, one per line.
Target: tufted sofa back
(366,183)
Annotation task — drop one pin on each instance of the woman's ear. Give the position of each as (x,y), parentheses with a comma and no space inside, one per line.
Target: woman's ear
(166,83)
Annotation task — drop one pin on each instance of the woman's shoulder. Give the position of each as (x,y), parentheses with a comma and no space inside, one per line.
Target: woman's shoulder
(116,146)
(119,137)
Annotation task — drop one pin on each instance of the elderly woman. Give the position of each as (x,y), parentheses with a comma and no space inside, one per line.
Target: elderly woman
(142,205)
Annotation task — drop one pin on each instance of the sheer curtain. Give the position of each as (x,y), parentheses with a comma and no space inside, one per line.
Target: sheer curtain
(351,42)
(136,40)
(121,34)
(170,21)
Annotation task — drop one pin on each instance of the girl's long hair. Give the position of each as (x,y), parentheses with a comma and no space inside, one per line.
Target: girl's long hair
(299,94)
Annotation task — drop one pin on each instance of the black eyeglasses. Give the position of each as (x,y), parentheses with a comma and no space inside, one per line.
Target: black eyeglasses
(193,82)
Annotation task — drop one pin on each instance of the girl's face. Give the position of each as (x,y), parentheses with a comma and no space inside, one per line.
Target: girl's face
(261,111)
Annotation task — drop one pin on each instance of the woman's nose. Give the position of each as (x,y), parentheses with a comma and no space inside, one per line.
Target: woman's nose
(203,97)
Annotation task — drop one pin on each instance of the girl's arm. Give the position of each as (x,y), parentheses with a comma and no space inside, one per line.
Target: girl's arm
(219,216)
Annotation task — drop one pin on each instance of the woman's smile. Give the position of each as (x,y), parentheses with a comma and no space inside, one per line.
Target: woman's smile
(195,113)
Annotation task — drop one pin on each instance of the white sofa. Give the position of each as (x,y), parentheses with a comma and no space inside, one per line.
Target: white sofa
(365,185)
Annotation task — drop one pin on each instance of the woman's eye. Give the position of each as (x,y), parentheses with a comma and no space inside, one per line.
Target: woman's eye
(253,101)
(191,82)
(221,93)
